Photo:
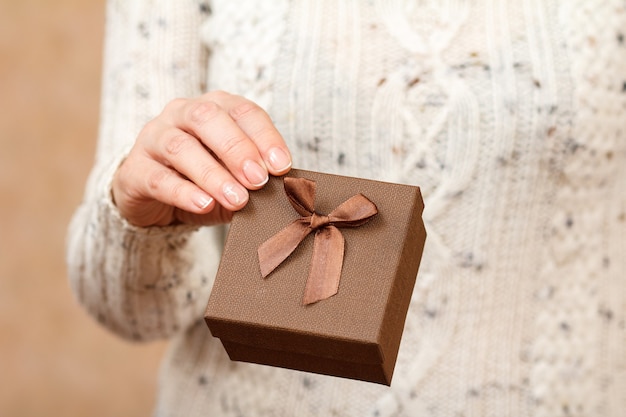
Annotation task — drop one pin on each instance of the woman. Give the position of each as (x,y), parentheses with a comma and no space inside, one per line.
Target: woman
(510,117)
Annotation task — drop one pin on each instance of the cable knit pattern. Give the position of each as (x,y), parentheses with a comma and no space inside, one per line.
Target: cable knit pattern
(511,117)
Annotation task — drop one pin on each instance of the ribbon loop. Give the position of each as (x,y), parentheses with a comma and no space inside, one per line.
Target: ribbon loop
(328,247)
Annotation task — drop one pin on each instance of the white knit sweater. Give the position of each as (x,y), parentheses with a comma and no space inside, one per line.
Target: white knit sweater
(511,116)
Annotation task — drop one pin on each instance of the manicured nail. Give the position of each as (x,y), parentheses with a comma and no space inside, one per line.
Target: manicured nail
(235,193)
(202,200)
(279,160)
(256,174)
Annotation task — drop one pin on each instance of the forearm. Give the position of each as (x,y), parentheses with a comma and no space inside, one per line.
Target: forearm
(141,283)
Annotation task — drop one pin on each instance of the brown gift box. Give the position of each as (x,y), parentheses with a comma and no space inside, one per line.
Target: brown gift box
(355,333)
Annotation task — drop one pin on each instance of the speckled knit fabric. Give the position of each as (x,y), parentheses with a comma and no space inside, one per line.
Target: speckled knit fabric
(511,116)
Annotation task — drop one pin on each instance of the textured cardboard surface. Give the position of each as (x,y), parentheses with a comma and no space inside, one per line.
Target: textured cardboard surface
(355,333)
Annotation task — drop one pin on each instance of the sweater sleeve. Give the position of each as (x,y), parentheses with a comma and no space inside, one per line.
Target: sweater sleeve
(142,283)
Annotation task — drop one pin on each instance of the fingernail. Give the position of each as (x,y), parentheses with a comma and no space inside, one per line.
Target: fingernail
(279,160)
(256,174)
(235,193)
(202,200)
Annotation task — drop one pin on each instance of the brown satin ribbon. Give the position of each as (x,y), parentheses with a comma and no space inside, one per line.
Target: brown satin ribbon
(328,246)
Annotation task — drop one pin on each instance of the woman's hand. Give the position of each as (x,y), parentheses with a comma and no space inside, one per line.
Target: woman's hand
(196,161)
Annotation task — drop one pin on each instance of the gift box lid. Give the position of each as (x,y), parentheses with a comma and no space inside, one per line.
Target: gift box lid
(363,322)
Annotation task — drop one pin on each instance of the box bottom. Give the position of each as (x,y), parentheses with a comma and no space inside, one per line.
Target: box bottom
(302,362)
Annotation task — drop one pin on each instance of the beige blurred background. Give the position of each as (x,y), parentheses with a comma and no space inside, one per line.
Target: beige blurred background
(54,360)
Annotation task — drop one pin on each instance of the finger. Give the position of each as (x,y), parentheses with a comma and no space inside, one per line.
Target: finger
(167,186)
(258,126)
(185,154)
(219,215)
(214,127)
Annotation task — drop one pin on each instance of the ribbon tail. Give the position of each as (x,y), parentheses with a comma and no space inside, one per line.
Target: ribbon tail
(278,247)
(326,264)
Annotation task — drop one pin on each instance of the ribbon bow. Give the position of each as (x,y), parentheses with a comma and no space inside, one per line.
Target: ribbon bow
(328,247)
